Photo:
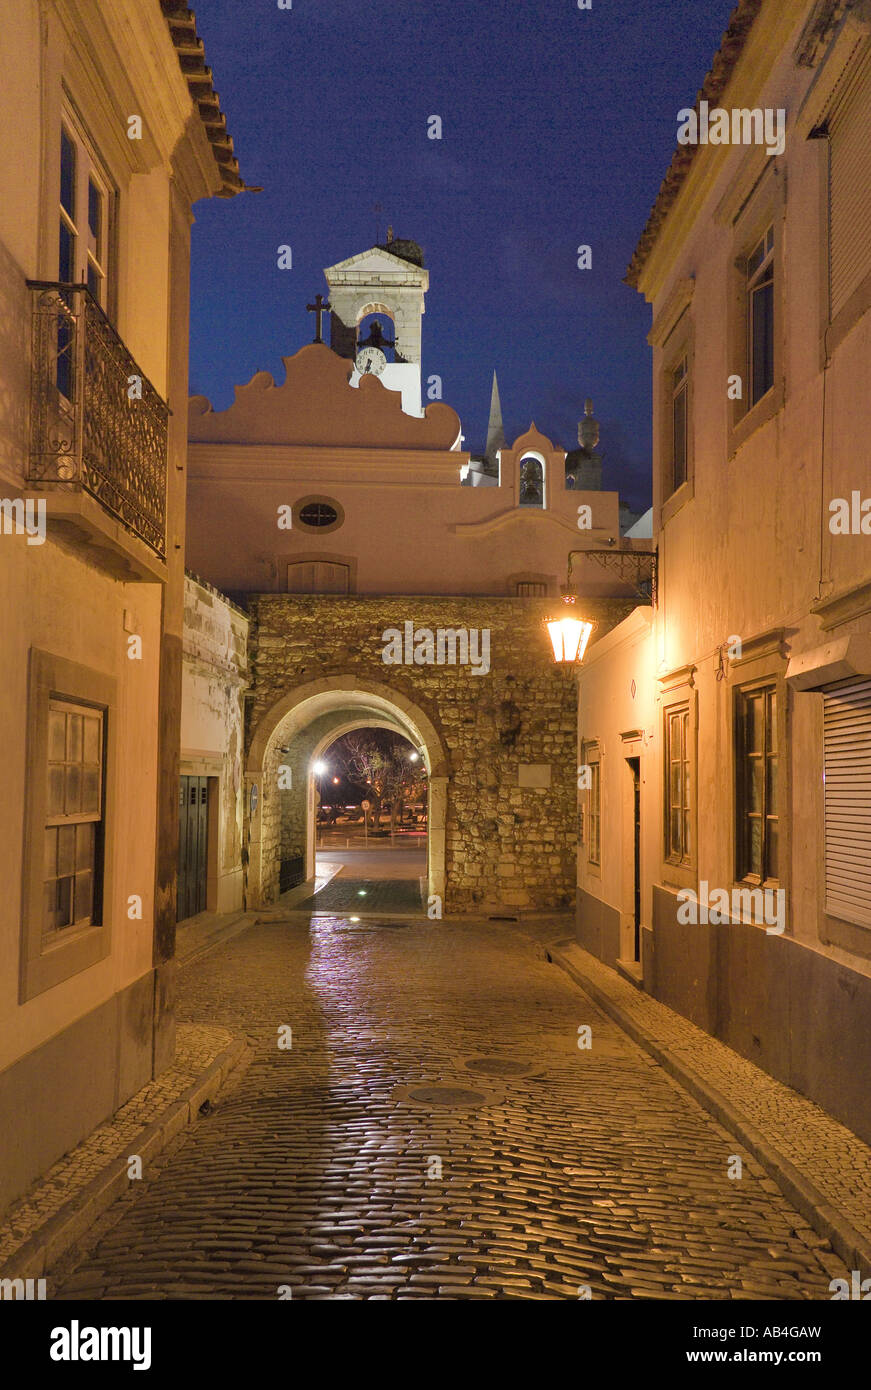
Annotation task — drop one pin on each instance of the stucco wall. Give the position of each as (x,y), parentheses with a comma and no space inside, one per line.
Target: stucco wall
(214,681)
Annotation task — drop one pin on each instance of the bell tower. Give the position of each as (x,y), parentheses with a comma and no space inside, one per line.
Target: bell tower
(388,281)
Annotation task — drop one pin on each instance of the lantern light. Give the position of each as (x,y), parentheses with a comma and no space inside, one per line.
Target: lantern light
(569,638)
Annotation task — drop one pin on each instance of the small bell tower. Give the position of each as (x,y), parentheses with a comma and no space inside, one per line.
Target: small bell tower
(388,281)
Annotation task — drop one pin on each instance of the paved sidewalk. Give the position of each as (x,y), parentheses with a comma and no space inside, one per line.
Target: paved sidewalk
(823,1167)
(62,1205)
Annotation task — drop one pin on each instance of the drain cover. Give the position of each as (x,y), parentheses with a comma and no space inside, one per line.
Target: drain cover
(443,1094)
(498,1066)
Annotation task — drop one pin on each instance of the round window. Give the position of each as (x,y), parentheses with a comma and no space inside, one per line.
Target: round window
(318,514)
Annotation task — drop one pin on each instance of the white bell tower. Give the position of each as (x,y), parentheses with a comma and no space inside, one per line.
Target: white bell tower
(389,281)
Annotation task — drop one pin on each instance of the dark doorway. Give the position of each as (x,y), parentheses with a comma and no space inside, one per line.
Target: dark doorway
(635,770)
(193,835)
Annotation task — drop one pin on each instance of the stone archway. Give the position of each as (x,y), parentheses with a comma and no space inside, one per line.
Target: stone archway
(307,719)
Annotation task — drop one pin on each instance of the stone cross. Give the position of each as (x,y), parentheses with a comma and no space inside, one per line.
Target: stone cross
(319,308)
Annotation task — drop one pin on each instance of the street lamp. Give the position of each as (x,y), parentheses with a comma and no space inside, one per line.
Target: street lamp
(319,769)
(569,637)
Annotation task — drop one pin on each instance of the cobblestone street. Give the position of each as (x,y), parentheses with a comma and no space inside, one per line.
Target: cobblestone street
(340,1168)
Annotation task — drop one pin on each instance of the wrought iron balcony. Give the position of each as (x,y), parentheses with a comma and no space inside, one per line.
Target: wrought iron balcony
(90,428)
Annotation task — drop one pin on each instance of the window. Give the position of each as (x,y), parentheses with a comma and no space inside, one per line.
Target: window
(318,514)
(531,483)
(847,782)
(531,588)
(314,513)
(679,401)
(678,793)
(74,811)
(68,867)
(594,805)
(757,819)
(83,243)
(760,317)
(673,336)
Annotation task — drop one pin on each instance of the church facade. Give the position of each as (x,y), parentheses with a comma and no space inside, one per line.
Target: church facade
(383,590)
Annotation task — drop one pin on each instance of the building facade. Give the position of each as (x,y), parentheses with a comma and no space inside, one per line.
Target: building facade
(110,111)
(332,507)
(732,875)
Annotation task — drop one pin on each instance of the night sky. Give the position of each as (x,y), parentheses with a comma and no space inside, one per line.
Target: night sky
(558,127)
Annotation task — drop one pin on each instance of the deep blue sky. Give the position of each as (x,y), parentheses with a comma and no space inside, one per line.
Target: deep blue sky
(558,127)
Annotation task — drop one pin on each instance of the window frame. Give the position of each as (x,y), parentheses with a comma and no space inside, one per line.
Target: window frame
(678,345)
(90,169)
(678,692)
(683,857)
(680,390)
(757,281)
(56,820)
(592,757)
(47,959)
(766,687)
(763,209)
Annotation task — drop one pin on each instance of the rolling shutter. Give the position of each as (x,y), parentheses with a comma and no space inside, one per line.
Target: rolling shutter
(847,736)
(850,187)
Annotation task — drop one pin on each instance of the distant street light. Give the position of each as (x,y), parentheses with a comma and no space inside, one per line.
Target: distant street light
(336,781)
(319,769)
(413,757)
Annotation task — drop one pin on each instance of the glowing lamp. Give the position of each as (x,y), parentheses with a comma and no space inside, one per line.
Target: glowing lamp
(569,637)
(319,769)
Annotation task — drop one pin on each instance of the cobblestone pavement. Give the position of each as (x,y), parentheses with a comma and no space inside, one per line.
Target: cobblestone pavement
(317,1170)
(343,894)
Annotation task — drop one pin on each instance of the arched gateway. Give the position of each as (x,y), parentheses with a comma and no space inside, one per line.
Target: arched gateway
(291,734)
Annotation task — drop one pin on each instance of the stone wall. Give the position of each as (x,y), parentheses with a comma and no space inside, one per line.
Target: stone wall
(507,845)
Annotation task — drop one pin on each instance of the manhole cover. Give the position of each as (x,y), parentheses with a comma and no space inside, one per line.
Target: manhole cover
(446,1095)
(498,1066)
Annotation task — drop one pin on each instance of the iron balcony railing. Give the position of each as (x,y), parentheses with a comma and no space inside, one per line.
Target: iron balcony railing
(96,423)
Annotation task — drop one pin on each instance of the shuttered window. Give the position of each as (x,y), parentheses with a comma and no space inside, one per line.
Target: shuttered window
(847,734)
(850,187)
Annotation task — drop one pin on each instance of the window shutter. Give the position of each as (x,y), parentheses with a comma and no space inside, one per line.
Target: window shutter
(847,735)
(318,577)
(850,188)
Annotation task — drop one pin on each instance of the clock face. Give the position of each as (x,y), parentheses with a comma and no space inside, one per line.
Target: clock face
(371,361)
